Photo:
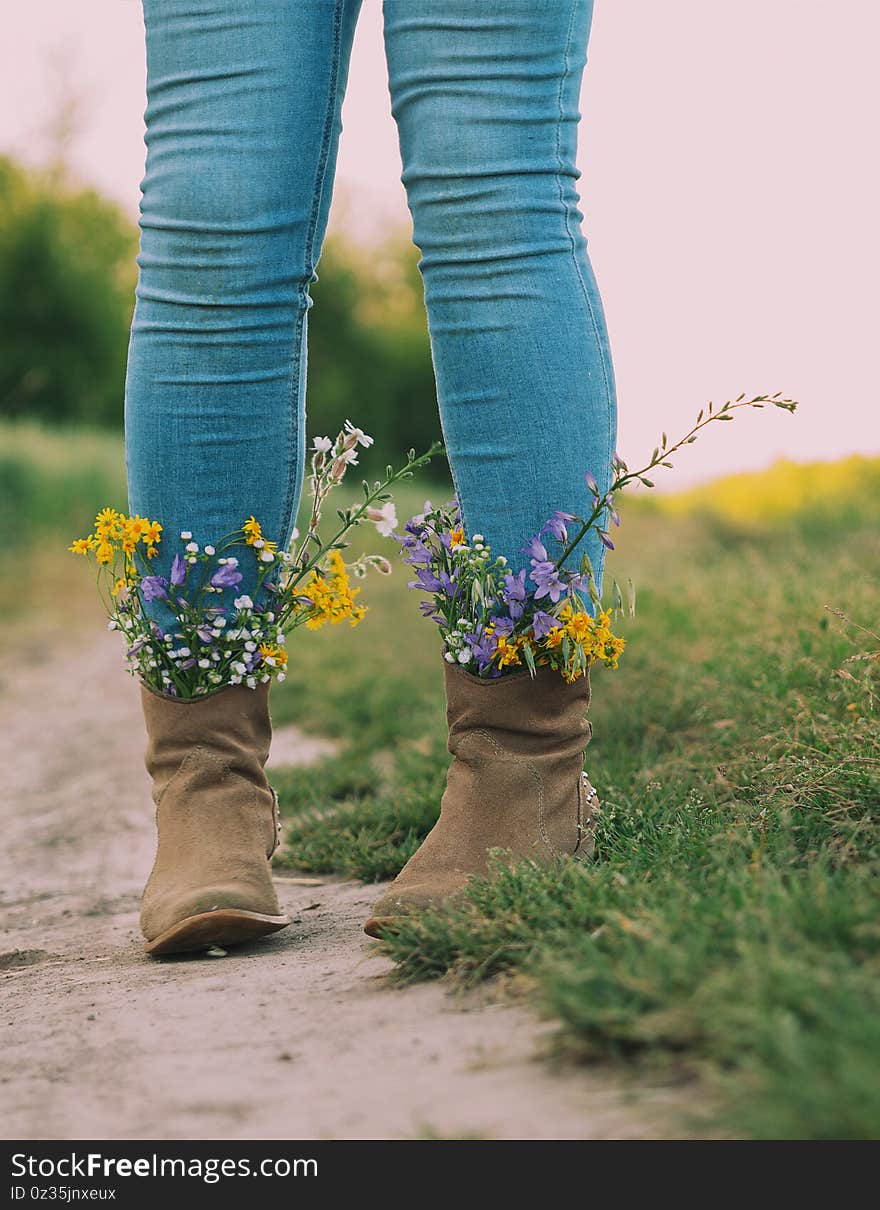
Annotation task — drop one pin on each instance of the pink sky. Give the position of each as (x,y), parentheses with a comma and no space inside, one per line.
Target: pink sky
(730,189)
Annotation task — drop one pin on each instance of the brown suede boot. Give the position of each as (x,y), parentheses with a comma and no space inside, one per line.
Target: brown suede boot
(516,782)
(217,818)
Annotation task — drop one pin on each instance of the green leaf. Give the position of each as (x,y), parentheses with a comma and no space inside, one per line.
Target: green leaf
(530,658)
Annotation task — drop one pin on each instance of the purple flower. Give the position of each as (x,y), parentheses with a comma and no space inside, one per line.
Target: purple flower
(226,576)
(535,549)
(591,483)
(154,588)
(178,571)
(605,540)
(514,593)
(204,633)
(555,525)
(503,625)
(417,552)
(190,663)
(546,577)
(427,580)
(483,646)
(543,623)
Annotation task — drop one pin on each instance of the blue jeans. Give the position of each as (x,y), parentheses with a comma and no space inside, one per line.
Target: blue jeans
(243,123)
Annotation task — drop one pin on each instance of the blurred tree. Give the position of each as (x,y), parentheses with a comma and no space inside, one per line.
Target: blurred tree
(67,274)
(369,356)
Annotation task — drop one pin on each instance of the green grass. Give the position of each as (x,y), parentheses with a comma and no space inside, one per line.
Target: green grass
(729,925)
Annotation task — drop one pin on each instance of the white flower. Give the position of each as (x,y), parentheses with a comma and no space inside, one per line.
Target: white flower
(243,602)
(235,680)
(239,667)
(192,547)
(209,550)
(204,663)
(266,556)
(321,445)
(182,652)
(185,535)
(295,534)
(258,542)
(449,657)
(111,625)
(251,682)
(250,647)
(478,538)
(384,518)
(232,561)
(221,621)
(359,435)
(280,677)
(501,561)
(464,657)
(349,457)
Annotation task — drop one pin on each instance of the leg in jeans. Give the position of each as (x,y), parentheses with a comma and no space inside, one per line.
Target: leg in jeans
(243,122)
(486,102)
(244,99)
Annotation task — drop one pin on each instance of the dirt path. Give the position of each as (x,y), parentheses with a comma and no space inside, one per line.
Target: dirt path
(299,1037)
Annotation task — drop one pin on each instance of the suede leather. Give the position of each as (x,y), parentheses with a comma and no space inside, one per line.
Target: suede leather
(216,813)
(516,782)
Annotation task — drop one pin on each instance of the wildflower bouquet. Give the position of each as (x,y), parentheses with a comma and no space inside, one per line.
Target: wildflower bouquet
(194,639)
(493,620)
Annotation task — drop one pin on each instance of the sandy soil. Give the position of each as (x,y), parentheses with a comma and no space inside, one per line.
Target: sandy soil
(298,1037)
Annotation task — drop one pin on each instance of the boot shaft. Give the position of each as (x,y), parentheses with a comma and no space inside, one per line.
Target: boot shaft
(233,726)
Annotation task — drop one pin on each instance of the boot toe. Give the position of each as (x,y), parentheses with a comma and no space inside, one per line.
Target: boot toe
(171,910)
(400,901)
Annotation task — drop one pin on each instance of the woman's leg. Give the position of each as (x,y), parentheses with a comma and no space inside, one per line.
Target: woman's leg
(486,102)
(244,98)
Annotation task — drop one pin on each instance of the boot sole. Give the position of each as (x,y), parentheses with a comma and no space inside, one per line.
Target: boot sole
(226,926)
(377,926)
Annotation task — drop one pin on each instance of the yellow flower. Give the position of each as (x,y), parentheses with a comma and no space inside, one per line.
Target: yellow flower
(105,553)
(81,546)
(253,531)
(119,586)
(150,536)
(457,536)
(507,653)
(332,596)
(106,520)
(277,655)
(152,551)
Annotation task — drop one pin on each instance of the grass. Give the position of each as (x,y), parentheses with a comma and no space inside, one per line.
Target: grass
(729,925)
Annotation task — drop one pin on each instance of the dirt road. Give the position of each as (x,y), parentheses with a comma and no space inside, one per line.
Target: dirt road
(299,1037)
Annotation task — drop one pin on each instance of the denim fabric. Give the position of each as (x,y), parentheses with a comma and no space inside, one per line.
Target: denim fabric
(243,124)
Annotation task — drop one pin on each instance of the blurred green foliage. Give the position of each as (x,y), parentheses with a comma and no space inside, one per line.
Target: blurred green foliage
(67,274)
(67,279)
